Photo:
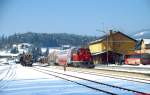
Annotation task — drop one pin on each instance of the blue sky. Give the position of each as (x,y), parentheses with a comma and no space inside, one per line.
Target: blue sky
(73,16)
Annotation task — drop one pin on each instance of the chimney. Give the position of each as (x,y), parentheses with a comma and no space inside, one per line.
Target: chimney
(110,32)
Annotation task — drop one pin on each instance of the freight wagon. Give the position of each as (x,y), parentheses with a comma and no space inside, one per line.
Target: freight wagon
(136,59)
(26,59)
(43,60)
(77,57)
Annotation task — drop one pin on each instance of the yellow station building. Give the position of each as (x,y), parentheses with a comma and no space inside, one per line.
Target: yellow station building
(112,47)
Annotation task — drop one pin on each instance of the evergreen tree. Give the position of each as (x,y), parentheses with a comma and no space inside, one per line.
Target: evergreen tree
(46,52)
(46,40)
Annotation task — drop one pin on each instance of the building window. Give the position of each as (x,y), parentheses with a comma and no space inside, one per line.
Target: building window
(147,46)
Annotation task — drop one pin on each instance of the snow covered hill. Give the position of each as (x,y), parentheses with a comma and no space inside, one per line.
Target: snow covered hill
(144,34)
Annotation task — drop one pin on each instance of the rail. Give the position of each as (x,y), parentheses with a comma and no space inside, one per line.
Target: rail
(108,85)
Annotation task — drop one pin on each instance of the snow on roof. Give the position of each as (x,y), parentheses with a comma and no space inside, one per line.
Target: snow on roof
(43,49)
(53,49)
(50,49)
(14,45)
(27,44)
(23,50)
(146,41)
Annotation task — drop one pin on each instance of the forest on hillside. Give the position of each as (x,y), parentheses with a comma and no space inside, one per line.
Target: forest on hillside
(45,39)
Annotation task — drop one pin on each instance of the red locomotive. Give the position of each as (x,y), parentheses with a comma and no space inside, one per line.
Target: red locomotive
(78,57)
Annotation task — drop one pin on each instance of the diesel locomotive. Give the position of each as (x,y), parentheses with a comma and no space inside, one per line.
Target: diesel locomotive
(77,57)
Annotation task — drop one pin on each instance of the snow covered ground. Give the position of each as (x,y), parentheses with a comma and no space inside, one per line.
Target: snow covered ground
(25,81)
(128,68)
(3,61)
(7,53)
(18,80)
(118,82)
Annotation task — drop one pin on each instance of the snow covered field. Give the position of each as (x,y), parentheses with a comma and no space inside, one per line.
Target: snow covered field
(18,80)
(117,82)
(29,82)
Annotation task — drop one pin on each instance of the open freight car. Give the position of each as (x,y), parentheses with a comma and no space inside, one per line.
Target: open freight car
(26,59)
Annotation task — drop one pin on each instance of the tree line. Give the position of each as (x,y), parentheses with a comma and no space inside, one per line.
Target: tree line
(45,39)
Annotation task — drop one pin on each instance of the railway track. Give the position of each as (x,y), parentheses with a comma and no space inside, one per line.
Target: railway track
(99,86)
(10,73)
(86,71)
(3,70)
